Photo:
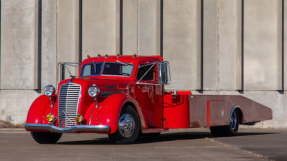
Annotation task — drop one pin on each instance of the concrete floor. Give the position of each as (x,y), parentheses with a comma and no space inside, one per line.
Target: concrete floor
(197,145)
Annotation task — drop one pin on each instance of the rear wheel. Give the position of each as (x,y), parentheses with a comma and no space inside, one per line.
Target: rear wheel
(46,137)
(228,130)
(128,127)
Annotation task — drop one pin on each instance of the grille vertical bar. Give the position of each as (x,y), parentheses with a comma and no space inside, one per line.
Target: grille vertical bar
(68,104)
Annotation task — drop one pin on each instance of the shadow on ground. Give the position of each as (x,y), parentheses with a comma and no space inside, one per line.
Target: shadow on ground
(160,138)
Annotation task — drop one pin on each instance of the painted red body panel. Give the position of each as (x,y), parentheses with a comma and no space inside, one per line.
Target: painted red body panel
(39,110)
(108,111)
(176,110)
(156,108)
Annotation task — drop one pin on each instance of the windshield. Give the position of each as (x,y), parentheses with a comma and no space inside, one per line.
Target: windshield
(107,68)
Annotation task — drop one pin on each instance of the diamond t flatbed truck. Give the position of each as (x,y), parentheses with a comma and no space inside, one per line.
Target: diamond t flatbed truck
(125,97)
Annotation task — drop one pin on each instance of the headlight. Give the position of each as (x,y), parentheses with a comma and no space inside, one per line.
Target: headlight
(49,90)
(93,91)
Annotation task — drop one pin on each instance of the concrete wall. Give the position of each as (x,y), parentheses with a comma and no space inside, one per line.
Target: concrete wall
(18,58)
(18,44)
(49,43)
(100,27)
(222,44)
(141,27)
(218,46)
(263,44)
(285,44)
(67,30)
(182,42)
(130,26)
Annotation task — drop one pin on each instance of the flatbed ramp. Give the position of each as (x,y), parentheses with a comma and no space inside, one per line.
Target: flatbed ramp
(215,110)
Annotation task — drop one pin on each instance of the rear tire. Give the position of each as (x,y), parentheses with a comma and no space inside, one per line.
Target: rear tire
(128,127)
(46,137)
(228,130)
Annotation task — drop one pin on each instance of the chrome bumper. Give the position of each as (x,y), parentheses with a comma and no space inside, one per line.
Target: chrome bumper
(79,128)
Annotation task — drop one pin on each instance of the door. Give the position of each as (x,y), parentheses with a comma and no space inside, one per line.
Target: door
(149,94)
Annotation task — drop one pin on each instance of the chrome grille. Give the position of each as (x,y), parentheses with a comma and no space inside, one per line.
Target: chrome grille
(68,104)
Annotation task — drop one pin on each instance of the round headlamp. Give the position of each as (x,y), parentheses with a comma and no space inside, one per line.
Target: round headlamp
(49,90)
(93,91)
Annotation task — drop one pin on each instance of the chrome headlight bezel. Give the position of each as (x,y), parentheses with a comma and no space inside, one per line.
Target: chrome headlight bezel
(49,90)
(93,91)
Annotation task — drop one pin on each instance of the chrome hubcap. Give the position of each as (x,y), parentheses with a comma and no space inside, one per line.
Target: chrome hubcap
(127,125)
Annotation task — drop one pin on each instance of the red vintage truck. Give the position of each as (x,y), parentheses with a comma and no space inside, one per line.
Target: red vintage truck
(124,97)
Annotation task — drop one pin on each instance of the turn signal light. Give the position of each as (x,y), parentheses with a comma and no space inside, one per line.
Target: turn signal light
(79,118)
(51,117)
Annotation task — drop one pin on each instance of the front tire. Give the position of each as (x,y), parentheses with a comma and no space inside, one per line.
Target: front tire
(228,130)
(128,127)
(46,137)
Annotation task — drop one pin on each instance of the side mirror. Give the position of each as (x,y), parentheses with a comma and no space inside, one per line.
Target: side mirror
(67,70)
(164,73)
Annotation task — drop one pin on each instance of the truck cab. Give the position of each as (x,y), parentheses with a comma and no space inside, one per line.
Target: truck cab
(117,95)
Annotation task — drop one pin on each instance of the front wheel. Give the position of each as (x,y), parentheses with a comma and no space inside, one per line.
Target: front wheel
(128,127)
(46,137)
(228,130)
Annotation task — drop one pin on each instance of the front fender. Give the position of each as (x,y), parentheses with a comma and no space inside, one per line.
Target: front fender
(39,110)
(107,112)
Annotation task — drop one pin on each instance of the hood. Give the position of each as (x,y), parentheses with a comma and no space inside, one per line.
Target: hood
(107,87)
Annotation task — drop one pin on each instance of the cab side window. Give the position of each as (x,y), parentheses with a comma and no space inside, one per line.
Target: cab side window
(146,72)
(87,70)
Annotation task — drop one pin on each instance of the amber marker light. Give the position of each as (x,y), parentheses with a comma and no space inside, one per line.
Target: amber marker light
(51,117)
(79,118)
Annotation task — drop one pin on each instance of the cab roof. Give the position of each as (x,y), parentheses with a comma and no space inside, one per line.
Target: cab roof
(126,59)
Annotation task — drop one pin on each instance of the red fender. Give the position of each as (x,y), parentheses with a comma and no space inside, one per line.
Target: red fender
(39,110)
(107,112)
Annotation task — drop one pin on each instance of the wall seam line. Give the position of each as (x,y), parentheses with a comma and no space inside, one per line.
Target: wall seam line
(121,26)
(283,48)
(161,27)
(202,48)
(39,48)
(80,31)
(0,43)
(242,46)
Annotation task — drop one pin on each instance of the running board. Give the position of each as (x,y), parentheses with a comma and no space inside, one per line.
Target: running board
(152,130)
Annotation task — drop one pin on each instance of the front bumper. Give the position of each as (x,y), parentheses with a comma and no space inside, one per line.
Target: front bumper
(79,128)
